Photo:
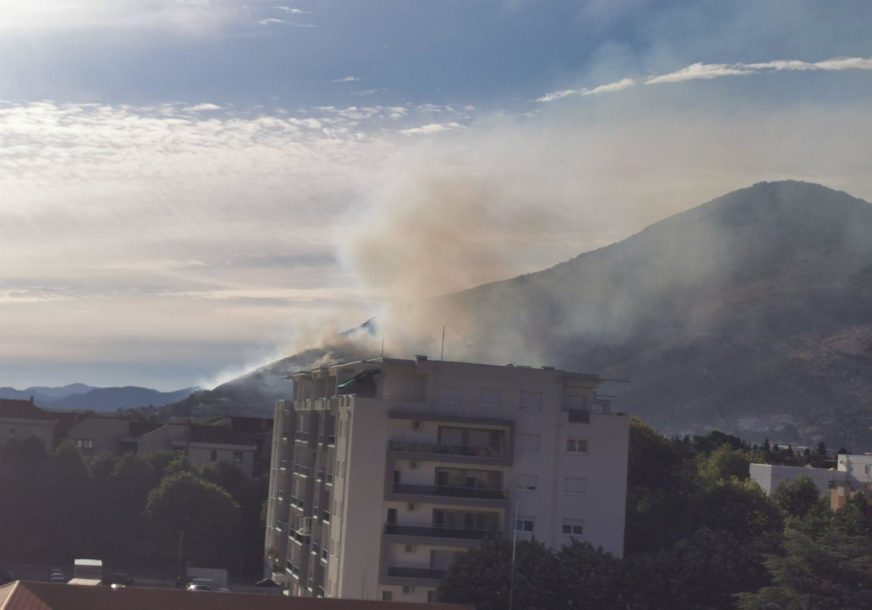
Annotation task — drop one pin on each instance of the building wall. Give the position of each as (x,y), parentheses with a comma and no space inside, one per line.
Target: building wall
(770,476)
(200,454)
(96,434)
(518,424)
(11,428)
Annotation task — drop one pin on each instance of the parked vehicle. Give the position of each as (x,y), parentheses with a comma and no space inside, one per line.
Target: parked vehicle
(57,575)
(117,578)
(205,584)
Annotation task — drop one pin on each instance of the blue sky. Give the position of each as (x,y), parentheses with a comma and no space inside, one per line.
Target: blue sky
(194,187)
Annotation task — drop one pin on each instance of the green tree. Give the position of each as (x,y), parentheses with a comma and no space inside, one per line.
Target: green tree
(206,515)
(797,497)
(740,508)
(831,572)
(588,578)
(724,463)
(483,577)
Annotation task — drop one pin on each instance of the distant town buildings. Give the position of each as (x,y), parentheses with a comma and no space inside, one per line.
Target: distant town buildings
(21,419)
(384,470)
(244,442)
(852,475)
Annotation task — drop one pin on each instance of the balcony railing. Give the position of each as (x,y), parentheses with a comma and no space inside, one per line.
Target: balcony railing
(442,449)
(438,532)
(297,502)
(281,525)
(416,573)
(327,439)
(325,516)
(283,465)
(447,490)
(303,437)
(285,433)
(301,470)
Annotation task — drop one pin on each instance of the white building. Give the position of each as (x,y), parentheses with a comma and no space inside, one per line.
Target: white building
(384,470)
(770,476)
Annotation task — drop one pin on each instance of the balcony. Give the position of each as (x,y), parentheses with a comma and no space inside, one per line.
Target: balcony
(285,434)
(450,491)
(452,453)
(281,525)
(437,532)
(303,471)
(327,440)
(298,503)
(419,573)
(302,437)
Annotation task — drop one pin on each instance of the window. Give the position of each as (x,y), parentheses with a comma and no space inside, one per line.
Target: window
(213,456)
(531,400)
(85,443)
(576,445)
(237,457)
(575,485)
(574,402)
(526,482)
(524,524)
(11,430)
(528,443)
(573,527)
(490,399)
(387,596)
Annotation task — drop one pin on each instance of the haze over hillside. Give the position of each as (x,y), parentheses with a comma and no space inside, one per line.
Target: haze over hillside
(81,396)
(751,313)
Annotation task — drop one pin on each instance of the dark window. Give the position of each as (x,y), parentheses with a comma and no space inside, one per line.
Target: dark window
(237,457)
(213,456)
(387,596)
(392,516)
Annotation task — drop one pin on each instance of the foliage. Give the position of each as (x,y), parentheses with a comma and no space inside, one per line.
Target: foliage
(67,506)
(829,572)
(797,497)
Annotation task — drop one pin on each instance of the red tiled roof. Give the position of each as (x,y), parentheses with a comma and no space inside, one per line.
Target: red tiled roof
(22,409)
(76,597)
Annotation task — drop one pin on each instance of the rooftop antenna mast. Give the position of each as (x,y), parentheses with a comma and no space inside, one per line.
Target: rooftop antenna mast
(442,353)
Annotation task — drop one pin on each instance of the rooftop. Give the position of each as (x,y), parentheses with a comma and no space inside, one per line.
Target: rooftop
(22,409)
(24,595)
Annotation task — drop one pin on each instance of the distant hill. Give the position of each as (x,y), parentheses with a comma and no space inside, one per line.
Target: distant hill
(751,313)
(81,396)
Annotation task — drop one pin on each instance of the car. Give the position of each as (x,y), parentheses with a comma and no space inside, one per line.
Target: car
(117,578)
(56,575)
(205,584)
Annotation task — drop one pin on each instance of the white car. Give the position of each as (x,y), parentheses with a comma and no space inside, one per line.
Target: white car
(204,584)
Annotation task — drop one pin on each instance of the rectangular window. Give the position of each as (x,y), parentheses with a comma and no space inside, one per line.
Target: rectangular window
(387,596)
(575,485)
(528,443)
(237,457)
(574,527)
(524,524)
(526,482)
(576,445)
(213,456)
(490,399)
(575,402)
(531,400)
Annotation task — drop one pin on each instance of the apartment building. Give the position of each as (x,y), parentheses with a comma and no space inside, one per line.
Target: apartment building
(384,470)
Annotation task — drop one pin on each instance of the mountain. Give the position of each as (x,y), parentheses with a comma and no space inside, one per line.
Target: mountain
(81,396)
(751,313)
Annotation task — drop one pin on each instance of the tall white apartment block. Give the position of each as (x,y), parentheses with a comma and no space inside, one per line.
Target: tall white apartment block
(384,470)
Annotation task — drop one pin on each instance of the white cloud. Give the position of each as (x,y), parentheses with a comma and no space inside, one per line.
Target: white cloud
(204,107)
(704,71)
(184,17)
(431,128)
(346,79)
(291,11)
(271,20)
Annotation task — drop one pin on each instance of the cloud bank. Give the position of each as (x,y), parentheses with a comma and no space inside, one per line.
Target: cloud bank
(704,71)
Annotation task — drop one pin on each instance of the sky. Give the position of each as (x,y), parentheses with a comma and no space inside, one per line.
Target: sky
(191,188)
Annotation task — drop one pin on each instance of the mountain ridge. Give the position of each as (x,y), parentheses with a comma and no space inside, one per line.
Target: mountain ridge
(751,313)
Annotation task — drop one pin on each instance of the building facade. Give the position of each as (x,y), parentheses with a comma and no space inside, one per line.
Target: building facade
(21,419)
(384,470)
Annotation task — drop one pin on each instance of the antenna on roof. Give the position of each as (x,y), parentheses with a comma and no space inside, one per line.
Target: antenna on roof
(442,353)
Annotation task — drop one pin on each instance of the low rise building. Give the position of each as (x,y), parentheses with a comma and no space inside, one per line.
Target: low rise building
(21,419)
(384,470)
(202,444)
(852,475)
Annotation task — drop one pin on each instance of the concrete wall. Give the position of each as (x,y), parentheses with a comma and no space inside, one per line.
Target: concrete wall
(105,432)
(769,476)
(25,428)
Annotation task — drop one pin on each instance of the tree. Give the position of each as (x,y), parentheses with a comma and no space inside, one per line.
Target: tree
(207,516)
(797,497)
(589,578)
(725,463)
(740,508)
(831,572)
(483,577)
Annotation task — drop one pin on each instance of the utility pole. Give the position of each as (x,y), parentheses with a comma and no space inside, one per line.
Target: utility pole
(514,546)
(442,353)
